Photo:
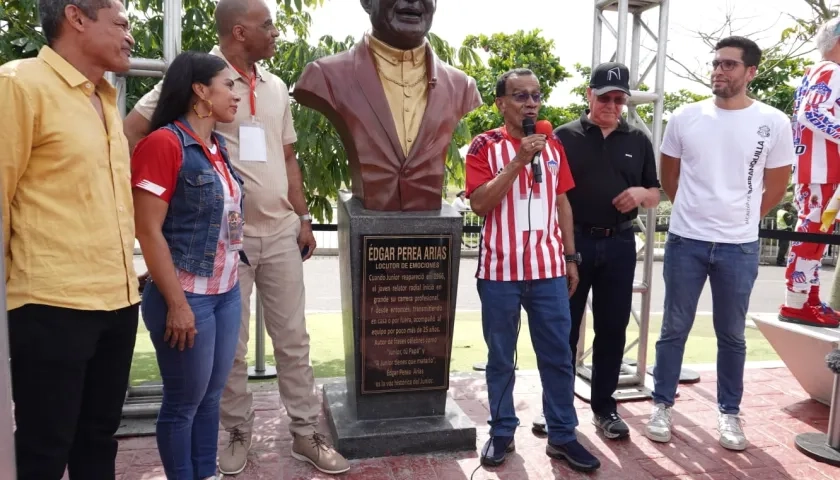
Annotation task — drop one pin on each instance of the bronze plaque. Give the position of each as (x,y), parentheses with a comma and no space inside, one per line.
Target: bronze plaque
(406,299)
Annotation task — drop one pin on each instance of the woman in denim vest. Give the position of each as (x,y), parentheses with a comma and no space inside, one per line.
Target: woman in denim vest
(188,215)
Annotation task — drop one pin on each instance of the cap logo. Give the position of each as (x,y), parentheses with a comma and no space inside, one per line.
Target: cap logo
(614,72)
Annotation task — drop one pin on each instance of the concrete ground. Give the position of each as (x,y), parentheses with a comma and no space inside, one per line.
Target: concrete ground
(775,411)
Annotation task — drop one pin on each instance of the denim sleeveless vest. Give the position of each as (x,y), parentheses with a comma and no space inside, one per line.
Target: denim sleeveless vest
(194,220)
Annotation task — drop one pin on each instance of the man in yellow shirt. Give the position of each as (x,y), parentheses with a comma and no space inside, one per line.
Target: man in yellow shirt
(68,241)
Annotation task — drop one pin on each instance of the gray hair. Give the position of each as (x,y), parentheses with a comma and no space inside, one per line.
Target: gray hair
(827,35)
(52,13)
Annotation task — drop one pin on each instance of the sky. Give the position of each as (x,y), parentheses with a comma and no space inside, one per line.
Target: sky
(569,23)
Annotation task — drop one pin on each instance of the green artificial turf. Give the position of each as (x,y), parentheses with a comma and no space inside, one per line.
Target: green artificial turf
(327,354)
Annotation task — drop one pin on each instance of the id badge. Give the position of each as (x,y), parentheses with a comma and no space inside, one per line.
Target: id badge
(252,146)
(235,227)
(534,210)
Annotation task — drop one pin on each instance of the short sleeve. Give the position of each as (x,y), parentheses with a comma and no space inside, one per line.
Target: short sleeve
(155,164)
(671,142)
(289,134)
(782,153)
(565,182)
(478,169)
(649,176)
(146,105)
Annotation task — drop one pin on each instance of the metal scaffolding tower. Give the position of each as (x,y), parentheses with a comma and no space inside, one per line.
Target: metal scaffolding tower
(633,378)
(143,402)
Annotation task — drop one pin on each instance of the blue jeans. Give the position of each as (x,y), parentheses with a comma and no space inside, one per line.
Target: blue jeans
(188,422)
(547,304)
(731,270)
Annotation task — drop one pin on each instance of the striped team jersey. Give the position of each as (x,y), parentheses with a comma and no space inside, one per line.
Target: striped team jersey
(816,126)
(520,237)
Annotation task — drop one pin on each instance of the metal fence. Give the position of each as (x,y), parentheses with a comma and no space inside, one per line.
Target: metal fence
(769,247)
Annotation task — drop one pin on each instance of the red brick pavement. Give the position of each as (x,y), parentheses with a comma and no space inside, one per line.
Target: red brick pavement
(775,409)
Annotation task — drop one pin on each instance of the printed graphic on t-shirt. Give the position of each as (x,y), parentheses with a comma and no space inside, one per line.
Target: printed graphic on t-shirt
(763,133)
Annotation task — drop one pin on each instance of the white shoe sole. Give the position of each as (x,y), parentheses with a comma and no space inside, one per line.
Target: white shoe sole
(658,438)
(304,458)
(233,472)
(734,448)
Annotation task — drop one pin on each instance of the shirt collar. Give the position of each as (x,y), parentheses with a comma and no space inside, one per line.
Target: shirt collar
(394,56)
(261,72)
(623,126)
(70,74)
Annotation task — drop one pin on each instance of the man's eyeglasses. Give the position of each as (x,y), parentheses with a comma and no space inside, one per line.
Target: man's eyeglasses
(606,99)
(523,97)
(725,65)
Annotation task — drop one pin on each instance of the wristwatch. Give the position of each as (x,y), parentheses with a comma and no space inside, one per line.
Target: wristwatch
(575,258)
(306,218)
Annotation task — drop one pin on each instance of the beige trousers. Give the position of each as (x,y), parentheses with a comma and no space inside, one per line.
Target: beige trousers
(277,269)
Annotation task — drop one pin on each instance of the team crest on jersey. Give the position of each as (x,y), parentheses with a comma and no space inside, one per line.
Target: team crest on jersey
(553,166)
(764,131)
(818,93)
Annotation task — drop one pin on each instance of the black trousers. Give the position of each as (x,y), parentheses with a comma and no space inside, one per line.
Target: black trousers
(69,378)
(608,269)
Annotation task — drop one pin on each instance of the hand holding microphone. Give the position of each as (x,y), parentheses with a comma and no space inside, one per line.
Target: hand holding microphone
(534,143)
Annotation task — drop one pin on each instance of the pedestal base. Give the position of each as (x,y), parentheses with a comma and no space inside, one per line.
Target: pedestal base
(137,427)
(803,349)
(451,432)
(686,375)
(268,373)
(815,445)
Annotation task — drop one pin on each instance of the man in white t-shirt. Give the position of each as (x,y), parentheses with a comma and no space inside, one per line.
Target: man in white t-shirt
(726,162)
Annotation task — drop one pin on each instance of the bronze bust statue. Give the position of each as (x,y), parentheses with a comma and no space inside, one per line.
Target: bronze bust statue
(394,104)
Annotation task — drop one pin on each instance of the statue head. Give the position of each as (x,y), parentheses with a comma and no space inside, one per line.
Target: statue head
(402,24)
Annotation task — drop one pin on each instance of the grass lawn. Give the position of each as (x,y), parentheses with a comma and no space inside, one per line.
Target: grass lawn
(327,341)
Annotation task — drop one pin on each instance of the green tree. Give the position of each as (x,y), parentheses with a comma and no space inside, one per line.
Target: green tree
(506,52)
(20,33)
(320,152)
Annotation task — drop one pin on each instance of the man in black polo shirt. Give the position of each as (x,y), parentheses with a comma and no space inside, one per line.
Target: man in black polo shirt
(614,168)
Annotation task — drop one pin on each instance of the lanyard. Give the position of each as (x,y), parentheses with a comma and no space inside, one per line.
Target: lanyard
(252,87)
(222,171)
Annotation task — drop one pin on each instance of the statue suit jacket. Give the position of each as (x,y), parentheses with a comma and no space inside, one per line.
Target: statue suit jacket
(346,88)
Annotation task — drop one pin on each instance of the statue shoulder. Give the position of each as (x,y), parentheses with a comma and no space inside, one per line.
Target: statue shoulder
(334,63)
(461,83)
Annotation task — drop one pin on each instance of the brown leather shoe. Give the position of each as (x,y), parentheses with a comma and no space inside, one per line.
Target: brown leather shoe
(316,450)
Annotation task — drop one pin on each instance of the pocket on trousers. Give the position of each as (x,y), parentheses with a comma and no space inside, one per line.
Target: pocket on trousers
(750,248)
(673,239)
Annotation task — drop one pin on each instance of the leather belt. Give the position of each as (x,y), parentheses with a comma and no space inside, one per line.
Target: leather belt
(603,232)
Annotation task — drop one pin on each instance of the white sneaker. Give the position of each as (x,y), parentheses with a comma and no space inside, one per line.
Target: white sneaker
(659,426)
(731,434)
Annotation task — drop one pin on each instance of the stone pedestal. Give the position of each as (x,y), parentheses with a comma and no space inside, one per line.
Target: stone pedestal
(399,277)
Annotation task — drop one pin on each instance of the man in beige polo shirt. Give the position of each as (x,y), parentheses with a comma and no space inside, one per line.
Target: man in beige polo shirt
(278,234)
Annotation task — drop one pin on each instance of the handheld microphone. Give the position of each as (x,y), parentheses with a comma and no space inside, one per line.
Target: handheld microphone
(542,127)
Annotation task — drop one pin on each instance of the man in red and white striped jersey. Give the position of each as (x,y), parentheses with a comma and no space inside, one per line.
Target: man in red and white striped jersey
(526,256)
(816,134)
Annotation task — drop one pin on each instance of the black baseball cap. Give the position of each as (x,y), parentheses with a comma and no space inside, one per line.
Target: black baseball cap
(610,77)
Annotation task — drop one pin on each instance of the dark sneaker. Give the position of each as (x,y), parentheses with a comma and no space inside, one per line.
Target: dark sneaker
(495,451)
(573,452)
(538,427)
(612,426)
